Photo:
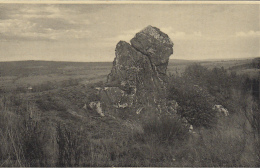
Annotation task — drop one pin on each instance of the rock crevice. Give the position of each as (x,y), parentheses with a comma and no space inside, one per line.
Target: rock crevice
(138,76)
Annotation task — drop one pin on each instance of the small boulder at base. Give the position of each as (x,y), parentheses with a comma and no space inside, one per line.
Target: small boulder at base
(96,106)
(221,110)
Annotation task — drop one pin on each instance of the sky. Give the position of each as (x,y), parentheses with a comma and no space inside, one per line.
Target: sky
(90,32)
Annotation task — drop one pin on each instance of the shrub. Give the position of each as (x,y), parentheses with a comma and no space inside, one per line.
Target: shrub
(251,110)
(196,72)
(48,102)
(194,101)
(71,146)
(166,129)
(23,141)
(10,139)
(35,136)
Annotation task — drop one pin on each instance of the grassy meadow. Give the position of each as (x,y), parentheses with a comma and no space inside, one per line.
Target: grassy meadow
(43,122)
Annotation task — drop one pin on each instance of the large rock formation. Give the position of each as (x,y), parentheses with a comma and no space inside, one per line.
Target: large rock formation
(138,76)
(156,45)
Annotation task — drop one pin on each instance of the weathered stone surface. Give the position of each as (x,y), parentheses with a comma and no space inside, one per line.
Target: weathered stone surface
(116,97)
(96,106)
(128,64)
(154,44)
(221,110)
(138,76)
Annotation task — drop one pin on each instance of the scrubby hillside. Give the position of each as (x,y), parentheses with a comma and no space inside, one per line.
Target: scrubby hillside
(51,127)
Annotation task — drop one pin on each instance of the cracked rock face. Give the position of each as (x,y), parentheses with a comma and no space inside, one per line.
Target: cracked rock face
(156,45)
(138,76)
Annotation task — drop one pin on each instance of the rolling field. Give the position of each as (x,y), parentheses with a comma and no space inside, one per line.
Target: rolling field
(31,73)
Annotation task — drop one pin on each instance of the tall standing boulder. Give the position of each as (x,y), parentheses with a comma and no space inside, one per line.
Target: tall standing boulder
(156,45)
(139,71)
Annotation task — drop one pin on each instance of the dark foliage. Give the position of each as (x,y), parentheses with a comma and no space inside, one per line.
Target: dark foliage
(71,146)
(48,102)
(166,129)
(34,138)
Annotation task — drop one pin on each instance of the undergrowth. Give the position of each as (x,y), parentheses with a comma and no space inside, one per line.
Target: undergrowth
(29,137)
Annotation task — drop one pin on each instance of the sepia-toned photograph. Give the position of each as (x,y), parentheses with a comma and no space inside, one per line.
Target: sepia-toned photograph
(129,84)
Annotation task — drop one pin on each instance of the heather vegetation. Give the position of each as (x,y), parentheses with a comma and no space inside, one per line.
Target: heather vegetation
(47,126)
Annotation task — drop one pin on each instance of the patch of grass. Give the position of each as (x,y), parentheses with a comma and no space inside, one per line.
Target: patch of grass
(72,144)
(166,129)
(48,102)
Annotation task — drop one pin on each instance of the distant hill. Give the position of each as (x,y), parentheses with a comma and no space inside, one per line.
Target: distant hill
(251,64)
(16,68)
(181,61)
(31,67)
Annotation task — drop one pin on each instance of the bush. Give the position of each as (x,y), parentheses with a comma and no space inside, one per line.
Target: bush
(10,139)
(194,101)
(48,102)
(196,73)
(166,129)
(35,136)
(72,145)
(23,141)
(233,141)
(251,110)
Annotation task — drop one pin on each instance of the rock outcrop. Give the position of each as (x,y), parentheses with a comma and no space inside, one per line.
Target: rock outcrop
(156,45)
(138,76)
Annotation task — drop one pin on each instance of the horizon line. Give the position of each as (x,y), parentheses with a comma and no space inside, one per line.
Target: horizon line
(205,59)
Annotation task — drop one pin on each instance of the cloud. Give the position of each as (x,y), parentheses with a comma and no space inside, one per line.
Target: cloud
(39,11)
(124,36)
(248,34)
(53,23)
(180,35)
(41,22)
(7,11)
(15,26)
(14,29)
